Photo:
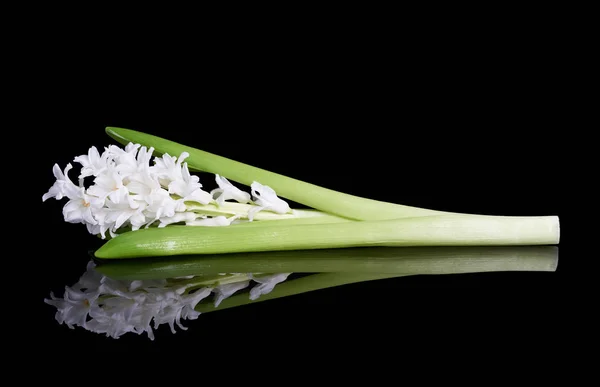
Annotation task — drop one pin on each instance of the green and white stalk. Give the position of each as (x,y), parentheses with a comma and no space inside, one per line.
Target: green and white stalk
(420,231)
(310,195)
(379,260)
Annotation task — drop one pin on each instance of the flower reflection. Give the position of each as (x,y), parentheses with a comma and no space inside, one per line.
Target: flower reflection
(104,305)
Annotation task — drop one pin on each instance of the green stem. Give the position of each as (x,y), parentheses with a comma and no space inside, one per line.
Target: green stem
(388,260)
(421,231)
(295,286)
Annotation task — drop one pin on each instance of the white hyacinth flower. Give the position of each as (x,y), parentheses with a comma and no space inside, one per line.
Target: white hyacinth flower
(106,306)
(126,160)
(128,193)
(266,199)
(161,205)
(189,188)
(79,209)
(117,214)
(228,191)
(109,185)
(168,168)
(134,168)
(174,173)
(125,191)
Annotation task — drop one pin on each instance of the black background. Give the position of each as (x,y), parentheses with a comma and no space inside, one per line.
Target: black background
(474,126)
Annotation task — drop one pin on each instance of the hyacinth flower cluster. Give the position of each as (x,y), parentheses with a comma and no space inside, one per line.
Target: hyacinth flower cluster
(114,307)
(133,190)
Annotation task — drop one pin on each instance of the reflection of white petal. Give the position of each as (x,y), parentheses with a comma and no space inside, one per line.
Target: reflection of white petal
(225,291)
(191,300)
(266,284)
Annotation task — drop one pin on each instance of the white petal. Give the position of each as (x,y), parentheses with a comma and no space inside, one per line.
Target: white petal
(265,196)
(121,219)
(187,177)
(199,196)
(58,174)
(88,217)
(92,164)
(227,191)
(178,187)
(63,185)
(131,148)
(182,157)
(217,221)
(179,217)
(55,191)
(137,187)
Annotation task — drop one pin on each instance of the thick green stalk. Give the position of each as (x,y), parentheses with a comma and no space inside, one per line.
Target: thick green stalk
(388,260)
(313,196)
(421,231)
(295,286)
